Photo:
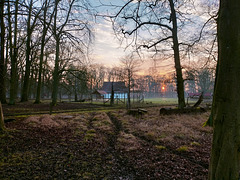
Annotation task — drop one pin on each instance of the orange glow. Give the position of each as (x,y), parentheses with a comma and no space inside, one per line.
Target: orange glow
(163,88)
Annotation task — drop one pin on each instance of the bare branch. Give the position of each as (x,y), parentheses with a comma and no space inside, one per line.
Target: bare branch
(156,43)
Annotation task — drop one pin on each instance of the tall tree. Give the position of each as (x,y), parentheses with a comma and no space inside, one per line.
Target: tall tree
(14,54)
(45,28)
(130,65)
(178,67)
(225,152)
(65,28)
(31,24)
(2,66)
(2,59)
(152,24)
(58,33)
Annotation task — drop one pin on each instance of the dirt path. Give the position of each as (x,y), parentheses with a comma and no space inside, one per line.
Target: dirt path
(122,168)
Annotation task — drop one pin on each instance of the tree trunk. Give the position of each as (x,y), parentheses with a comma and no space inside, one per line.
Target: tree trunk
(76,89)
(43,93)
(32,84)
(45,29)
(2,60)
(13,80)
(39,85)
(25,88)
(2,126)
(225,153)
(178,67)
(209,122)
(129,88)
(112,96)
(56,74)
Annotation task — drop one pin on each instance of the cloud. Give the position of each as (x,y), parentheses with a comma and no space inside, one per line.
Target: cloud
(106,48)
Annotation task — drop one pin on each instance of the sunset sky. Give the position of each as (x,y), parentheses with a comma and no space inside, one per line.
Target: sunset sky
(108,51)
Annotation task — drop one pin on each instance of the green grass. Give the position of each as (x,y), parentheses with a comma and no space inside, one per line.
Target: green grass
(162,101)
(147,101)
(160,147)
(167,101)
(195,144)
(183,149)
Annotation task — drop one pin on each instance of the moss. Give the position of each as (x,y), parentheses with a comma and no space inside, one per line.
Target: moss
(160,147)
(180,136)
(106,122)
(18,159)
(87,175)
(91,131)
(195,143)
(183,148)
(90,134)
(32,123)
(161,137)
(78,132)
(150,135)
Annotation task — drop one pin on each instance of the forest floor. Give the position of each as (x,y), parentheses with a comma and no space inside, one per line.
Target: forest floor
(104,144)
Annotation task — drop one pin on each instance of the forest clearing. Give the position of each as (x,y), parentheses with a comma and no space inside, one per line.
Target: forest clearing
(104,143)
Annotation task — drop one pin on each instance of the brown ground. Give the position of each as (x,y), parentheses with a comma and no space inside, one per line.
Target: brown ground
(105,145)
(44,108)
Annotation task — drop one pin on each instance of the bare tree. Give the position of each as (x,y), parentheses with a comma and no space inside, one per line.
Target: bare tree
(159,20)
(130,66)
(31,24)
(65,24)
(45,28)
(14,54)
(158,27)
(201,79)
(2,59)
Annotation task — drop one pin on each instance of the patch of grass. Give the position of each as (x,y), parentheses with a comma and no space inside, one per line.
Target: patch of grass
(90,134)
(161,137)
(150,135)
(32,123)
(91,131)
(183,148)
(163,101)
(195,144)
(160,147)
(19,158)
(102,123)
(127,142)
(180,136)
(87,175)
(19,116)
(78,132)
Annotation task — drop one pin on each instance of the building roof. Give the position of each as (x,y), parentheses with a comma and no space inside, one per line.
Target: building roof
(118,87)
(99,92)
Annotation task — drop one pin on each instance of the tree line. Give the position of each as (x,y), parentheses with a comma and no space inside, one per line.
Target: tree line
(44,43)
(40,40)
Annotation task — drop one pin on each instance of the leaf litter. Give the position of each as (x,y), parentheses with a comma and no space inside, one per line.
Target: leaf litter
(103,145)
